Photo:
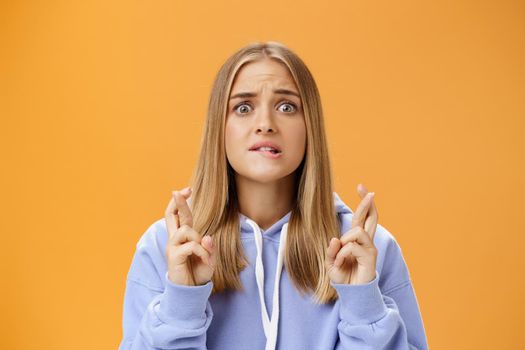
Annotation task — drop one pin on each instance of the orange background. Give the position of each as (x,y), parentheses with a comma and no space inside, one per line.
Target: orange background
(102,107)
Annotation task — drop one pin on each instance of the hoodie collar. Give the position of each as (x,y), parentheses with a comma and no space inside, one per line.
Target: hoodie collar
(273,231)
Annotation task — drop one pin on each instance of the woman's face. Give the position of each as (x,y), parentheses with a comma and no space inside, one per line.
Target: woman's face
(268,109)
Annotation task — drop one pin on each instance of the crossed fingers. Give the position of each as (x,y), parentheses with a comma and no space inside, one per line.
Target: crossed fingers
(179,220)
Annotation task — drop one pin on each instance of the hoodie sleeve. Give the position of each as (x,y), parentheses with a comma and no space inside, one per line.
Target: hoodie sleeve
(157,313)
(374,319)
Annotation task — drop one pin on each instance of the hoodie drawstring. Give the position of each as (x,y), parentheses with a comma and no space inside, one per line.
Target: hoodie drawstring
(270,325)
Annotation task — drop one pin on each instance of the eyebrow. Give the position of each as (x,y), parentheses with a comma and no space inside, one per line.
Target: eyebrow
(253,94)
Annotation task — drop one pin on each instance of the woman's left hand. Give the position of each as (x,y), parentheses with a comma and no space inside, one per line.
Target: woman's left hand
(351,259)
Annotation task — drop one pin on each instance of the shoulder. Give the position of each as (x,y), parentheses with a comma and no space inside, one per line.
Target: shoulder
(154,236)
(149,262)
(392,268)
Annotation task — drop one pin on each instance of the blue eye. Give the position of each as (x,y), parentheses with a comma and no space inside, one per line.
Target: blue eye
(236,108)
(244,107)
(294,107)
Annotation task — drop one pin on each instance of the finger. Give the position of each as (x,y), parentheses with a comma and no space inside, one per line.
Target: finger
(185,234)
(183,210)
(358,235)
(171,219)
(190,248)
(358,219)
(332,250)
(361,190)
(372,219)
(207,243)
(347,251)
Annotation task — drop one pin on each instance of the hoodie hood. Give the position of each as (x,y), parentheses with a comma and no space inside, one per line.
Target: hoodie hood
(275,230)
(340,206)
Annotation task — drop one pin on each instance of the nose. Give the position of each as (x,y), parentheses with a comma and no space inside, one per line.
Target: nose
(264,122)
(265,129)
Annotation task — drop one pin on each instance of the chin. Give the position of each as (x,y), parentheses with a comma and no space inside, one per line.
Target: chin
(265,175)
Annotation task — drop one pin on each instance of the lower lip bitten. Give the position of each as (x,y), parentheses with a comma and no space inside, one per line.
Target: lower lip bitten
(268,154)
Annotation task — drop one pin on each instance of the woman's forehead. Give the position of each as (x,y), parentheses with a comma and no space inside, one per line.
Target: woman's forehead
(264,70)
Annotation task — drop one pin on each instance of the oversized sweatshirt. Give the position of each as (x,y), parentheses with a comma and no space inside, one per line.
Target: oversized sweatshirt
(269,313)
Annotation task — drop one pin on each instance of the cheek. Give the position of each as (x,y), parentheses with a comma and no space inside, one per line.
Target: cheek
(232,138)
(298,138)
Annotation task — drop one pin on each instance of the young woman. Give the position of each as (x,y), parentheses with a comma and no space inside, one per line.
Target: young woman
(260,253)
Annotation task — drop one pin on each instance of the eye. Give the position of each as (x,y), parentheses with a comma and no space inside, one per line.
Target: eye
(242,110)
(244,107)
(291,107)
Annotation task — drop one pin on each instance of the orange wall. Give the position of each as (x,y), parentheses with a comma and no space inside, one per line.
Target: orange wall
(102,106)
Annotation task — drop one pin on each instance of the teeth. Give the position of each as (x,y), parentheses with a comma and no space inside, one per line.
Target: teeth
(266,149)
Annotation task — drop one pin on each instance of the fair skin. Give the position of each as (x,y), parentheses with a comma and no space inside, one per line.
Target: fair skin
(265,115)
(265,183)
(352,258)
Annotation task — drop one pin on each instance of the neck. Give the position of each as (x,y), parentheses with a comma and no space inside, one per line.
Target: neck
(265,203)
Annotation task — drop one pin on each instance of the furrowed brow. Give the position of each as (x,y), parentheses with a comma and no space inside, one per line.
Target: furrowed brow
(277,91)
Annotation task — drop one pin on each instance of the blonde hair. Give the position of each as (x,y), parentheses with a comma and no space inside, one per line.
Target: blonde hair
(313,221)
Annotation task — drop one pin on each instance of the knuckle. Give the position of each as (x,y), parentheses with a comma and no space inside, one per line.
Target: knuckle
(188,247)
(346,248)
(196,247)
(175,237)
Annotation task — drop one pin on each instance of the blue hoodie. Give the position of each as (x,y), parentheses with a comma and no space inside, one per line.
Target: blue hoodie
(158,314)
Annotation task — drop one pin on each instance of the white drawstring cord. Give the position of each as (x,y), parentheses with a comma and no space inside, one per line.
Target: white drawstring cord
(270,326)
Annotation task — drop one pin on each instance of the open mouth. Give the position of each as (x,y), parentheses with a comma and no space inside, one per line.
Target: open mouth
(266,149)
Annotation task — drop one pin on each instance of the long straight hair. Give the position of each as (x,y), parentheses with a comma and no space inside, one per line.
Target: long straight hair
(313,221)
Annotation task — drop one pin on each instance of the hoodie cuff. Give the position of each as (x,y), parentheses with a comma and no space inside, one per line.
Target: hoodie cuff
(361,303)
(184,303)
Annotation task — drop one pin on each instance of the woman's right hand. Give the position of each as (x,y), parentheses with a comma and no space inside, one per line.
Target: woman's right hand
(185,245)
